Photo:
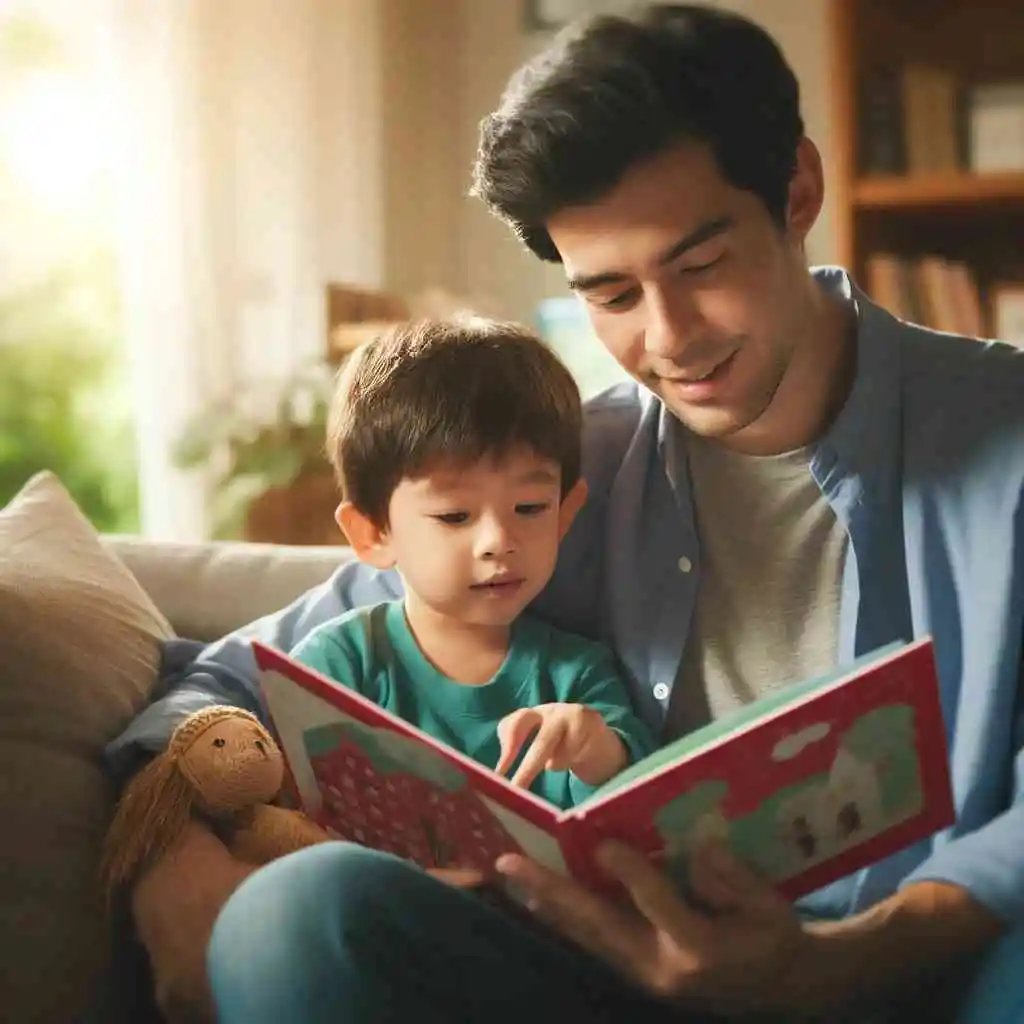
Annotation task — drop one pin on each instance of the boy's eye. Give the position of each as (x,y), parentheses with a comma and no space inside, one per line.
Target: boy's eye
(532,508)
(452,518)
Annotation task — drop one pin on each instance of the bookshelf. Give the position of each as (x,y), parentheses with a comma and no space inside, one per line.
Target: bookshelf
(929,209)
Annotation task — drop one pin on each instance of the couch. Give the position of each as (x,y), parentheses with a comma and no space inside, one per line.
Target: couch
(81,620)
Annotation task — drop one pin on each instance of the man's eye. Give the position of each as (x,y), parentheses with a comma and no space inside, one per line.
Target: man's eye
(452,518)
(700,268)
(619,302)
(532,508)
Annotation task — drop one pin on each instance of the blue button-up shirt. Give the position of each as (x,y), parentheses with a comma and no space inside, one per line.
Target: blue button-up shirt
(924,466)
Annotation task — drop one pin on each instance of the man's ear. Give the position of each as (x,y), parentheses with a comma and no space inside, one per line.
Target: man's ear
(367,540)
(570,506)
(806,192)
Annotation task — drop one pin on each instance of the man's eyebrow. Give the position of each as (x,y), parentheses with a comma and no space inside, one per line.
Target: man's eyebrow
(713,228)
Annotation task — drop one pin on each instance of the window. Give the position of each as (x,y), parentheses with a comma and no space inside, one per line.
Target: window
(64,397)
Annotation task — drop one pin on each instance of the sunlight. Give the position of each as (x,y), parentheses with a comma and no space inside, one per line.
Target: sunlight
(57,138)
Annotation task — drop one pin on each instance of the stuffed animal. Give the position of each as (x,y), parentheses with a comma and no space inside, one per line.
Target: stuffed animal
(222,767)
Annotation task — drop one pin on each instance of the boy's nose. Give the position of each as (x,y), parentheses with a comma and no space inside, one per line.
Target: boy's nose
(495,540)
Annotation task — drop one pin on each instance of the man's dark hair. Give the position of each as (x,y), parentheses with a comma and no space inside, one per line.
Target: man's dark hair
(614,90)
(456,390)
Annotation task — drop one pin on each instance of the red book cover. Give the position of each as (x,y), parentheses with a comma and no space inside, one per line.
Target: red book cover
(806,785)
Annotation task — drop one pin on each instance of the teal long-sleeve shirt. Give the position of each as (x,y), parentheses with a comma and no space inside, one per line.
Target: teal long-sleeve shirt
(372,650)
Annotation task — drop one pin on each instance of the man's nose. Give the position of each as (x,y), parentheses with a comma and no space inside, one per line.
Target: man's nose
(673,321)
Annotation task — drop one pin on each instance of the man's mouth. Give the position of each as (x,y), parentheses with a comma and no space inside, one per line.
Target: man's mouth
(700,376)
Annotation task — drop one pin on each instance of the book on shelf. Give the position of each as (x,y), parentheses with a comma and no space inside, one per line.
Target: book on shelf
(808,784)
(911,121)
(930,290)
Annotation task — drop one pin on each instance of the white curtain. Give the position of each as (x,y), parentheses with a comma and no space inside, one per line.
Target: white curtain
(249,177)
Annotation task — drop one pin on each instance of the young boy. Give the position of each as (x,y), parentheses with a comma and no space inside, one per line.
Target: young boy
(457,447)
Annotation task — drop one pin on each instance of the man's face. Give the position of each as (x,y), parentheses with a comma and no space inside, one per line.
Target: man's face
(691,285)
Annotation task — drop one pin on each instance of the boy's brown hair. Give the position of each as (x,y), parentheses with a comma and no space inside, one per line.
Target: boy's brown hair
(460,390)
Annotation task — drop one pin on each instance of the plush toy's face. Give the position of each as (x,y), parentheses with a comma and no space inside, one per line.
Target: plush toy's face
(233,764)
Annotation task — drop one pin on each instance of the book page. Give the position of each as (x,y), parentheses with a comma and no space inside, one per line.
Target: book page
(721,729)
(371,784)
(835,782)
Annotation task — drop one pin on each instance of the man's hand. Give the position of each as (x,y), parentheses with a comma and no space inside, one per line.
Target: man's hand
(735,955)
(175,905)
(744,949)
(569,737)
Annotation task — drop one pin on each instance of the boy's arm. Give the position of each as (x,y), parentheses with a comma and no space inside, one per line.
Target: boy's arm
(600,686)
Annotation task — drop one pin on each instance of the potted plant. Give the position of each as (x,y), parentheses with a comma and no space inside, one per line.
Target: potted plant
(264,446)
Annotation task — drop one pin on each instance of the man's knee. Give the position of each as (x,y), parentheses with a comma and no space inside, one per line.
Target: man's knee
(283,935)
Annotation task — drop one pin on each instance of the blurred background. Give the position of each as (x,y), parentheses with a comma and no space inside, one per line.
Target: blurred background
(205,204)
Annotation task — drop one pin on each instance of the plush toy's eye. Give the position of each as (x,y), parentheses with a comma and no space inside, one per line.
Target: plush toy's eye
(259,746)
(219,741)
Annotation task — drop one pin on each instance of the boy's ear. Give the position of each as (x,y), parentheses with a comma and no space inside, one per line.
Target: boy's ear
(570,506)
(367,540)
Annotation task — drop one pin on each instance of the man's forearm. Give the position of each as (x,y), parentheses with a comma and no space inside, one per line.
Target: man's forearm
(175,905)
(903,940)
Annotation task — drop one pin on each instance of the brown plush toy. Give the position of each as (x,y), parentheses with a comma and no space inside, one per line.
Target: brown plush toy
(222,767)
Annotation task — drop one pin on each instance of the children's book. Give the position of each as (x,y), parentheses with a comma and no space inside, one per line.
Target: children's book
(807,785)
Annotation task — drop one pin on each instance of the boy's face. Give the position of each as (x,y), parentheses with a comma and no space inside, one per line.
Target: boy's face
(477,543)
(695,290)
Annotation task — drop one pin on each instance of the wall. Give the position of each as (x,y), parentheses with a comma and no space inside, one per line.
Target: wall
(493,45)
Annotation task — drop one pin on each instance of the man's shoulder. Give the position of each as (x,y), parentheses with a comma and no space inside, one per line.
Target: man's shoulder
(957,384)
(963,404)
(611,420)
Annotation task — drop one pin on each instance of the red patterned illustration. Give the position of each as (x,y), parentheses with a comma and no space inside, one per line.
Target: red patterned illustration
(400,813)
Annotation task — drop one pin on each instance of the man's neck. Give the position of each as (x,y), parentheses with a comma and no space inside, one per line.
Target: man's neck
(816,382)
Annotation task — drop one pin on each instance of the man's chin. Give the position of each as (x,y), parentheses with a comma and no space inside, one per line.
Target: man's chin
(713,424)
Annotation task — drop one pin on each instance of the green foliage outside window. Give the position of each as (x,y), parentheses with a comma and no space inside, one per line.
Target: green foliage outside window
(60,391)
(63,393)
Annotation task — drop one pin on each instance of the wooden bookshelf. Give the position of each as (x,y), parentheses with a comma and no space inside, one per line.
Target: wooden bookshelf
(913,208)
(938,191)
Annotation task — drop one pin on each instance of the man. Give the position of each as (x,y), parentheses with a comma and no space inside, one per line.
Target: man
(796,479)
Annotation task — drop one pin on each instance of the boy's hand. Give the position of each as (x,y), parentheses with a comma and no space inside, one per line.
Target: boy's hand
(568,737)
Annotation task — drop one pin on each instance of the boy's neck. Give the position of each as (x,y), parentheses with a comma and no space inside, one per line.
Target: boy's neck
(464,652)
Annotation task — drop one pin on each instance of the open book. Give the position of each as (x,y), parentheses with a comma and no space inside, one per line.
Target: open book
(807,785)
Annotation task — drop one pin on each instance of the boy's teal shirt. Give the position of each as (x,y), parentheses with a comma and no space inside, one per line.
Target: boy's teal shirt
(372,651)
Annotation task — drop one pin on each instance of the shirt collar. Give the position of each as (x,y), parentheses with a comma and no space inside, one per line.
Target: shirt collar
(863,440)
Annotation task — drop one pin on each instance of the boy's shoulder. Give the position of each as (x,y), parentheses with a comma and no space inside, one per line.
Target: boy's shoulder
(355,628)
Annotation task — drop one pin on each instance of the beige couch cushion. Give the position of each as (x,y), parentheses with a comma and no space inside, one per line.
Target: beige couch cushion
(209,589)
(79,642)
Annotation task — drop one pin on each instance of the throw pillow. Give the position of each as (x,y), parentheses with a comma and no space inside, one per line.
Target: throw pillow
(80,649)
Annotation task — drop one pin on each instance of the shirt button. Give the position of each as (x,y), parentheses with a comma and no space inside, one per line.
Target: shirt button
(660,691)
(685,565)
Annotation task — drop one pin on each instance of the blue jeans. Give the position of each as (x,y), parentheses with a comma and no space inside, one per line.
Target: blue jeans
(340,934)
